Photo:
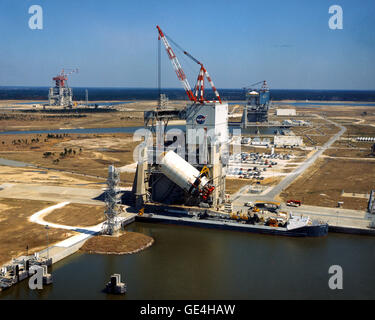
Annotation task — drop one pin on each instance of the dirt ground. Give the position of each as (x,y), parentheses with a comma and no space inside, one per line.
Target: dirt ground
(49,177)
(232,185)
(27,117)
(360,130)
(77,215)
(82,154)
(128,242)
(341,110)
(344,142)
(30,121)
(249,149)
(323,183)
(349,153)
(315,140)
(16,232)
(271,181)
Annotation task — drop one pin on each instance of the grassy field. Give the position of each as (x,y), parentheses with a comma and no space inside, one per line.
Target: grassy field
(16,232)
(127,242)
(323,183)
(77,215)
(77,153)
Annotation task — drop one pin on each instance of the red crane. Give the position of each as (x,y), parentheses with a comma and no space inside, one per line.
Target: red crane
(62,77)
(198,95)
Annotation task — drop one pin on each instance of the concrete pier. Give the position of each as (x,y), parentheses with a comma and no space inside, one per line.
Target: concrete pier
(115,286)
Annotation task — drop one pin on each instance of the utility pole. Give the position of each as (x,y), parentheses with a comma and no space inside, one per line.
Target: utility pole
(47,228)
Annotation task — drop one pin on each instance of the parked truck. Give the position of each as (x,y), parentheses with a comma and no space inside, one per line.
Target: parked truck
(294,203)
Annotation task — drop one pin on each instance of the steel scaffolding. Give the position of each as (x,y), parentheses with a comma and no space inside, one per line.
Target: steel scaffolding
(112,200)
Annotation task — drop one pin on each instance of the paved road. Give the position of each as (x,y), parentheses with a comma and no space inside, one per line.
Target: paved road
(68,246)
(301,169)
(271,194)
(12,163)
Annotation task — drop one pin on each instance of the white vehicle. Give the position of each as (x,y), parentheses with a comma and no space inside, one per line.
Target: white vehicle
(249,204)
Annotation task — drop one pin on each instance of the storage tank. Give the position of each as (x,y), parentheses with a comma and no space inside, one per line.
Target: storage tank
(184,174)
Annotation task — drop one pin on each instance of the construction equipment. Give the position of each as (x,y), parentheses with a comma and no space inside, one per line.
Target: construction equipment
(198,95)
(249,204)
(272,206)
(205,171)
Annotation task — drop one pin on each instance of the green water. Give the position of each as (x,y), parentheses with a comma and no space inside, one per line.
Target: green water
(194,263)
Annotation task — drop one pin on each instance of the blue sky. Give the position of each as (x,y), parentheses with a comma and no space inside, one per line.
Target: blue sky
(114,43)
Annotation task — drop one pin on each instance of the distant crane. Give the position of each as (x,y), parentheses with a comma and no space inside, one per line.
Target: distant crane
(61,78)
(264,86)
(198,95)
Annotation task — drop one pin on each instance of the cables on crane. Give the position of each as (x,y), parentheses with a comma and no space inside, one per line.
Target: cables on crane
(198,95)
(183,50)
(264,86)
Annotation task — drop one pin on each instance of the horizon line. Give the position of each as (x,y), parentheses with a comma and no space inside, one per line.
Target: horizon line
(181,89)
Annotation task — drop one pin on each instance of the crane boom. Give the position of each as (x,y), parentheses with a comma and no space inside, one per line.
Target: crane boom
(62,77)
(199,87)
(177,66)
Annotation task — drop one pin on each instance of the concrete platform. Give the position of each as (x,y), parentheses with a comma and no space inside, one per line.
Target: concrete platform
(50,193)
(336,217)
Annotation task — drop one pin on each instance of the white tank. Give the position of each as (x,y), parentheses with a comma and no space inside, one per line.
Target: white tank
(180,171)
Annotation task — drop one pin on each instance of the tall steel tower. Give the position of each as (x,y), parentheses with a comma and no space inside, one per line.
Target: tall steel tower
(258,103)
(61,94)
(112,200)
